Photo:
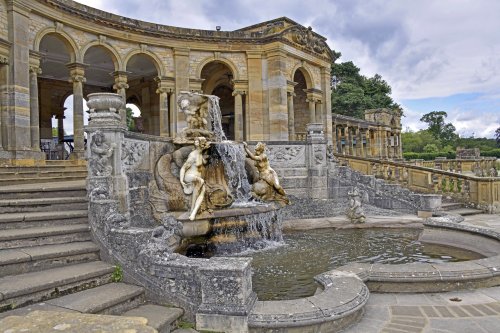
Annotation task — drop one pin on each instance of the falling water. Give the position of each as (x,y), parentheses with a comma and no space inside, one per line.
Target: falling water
(216,118)
(231,154)
(233,158)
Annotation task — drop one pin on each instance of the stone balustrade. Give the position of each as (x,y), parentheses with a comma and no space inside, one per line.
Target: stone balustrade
(480,192)
(480,167)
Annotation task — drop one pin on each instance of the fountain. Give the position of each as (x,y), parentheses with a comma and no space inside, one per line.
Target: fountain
(156,205)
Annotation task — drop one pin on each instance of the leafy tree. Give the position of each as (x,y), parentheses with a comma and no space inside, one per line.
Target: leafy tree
(497,136)
(416,141)
(431,148)
(438,128)
(130,120)
(353,93)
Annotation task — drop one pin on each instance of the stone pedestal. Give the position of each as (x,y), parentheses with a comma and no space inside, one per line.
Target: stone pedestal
(106,133)
(317,161)
(227,296)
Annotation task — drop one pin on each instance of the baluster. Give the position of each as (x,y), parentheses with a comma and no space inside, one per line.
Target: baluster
(455,185)
(405,175)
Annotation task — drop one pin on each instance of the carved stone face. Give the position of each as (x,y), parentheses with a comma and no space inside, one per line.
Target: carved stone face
(260,148)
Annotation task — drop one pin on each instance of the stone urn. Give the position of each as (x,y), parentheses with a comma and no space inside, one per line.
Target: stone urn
(105,102)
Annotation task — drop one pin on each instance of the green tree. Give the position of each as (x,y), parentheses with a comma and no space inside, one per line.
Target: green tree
(438,128)
(354,93)
(431,148)
(130,120)
(497,136)
(416,141)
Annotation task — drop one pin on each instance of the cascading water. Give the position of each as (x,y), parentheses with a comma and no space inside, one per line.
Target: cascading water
(231,154)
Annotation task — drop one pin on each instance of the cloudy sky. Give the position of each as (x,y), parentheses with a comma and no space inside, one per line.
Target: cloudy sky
(436,54)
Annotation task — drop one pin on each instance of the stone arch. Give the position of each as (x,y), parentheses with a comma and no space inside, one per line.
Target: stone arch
(65,38)
(307,75)
(115,57)
(227,62)
(153,57)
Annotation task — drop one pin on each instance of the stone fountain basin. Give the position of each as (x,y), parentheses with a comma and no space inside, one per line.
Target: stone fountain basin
(202,226)
(345,289)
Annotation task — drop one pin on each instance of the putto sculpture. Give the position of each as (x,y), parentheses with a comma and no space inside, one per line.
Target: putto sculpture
(101,154)
(355,211)
(267,188)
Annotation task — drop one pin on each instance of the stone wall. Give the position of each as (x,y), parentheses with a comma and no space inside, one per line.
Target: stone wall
(4,23)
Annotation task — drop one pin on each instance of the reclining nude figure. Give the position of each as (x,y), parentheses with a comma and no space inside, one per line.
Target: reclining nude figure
(191,175)
(266,174)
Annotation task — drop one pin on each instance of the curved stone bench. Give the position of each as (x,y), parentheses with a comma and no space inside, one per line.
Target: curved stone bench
(338,305)
(428,277)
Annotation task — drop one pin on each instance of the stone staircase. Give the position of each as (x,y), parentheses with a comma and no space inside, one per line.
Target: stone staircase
(52,171)
(49,262)
(458,208)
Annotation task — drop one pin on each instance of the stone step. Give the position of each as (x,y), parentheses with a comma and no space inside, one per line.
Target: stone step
(43,219)
(161,318)
(44,190)
(466,211)
(40,179)
(15,238)
(37,258)
(110,299)
(451,205)
(21,290)
(43,204)
(185,330)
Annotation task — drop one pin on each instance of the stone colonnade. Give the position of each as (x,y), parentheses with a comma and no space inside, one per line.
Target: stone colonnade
(50,43)
(363,138)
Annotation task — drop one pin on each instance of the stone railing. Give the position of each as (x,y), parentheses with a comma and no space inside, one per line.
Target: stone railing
(481,167)
(480,192)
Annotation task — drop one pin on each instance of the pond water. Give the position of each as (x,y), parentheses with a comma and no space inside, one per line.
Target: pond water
(286,270)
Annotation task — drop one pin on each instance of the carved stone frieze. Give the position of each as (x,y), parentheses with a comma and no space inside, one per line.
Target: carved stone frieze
(307,38)
(133,153)
(286,155)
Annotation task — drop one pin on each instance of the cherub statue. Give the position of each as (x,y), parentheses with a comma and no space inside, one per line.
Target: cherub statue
(267,187)
(100,155)
(355,211)
(194,117)
(192,173)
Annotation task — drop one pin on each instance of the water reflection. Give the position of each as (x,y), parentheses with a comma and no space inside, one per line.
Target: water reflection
(287,271)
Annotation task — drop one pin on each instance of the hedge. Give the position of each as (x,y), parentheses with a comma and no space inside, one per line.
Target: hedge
(429,156)
(491,153)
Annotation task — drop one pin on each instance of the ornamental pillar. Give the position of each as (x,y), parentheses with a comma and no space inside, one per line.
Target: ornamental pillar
(121,87)
(77,77)
(238,115)
(60,132)
(165,87)
(172,114)
(291,116)
(318,111)
(312,110)
(34,108)
(4,97)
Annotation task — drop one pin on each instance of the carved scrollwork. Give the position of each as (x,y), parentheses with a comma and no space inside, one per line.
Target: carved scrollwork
(284,154)
(306,38)
(132,153)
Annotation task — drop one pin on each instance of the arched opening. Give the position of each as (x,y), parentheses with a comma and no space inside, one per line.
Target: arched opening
(99,73)
(301,112)
(134,118)
(141,74)
(218,81)
(53,89)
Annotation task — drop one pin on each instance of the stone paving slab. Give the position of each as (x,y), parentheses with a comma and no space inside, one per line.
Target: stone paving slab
(45,322)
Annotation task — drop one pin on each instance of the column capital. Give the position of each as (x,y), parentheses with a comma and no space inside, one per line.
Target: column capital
(4,60)
(239,92)
(291,93)
(35,70)
(74,66)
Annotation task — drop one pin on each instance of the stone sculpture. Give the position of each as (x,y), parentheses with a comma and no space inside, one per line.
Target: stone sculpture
(267,188)
(195,107)
(355,211)
(192,175)
(100,155)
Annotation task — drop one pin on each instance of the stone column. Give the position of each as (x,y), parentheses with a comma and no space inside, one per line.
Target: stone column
(4,97)
(327,102)
(121,87)
(181,63)
(34,109)
(172,112)
(318,111)
(77,74)
(238,115)
(277,90)
(312,110)
(163,91)
(18,111)
(60,132)
(400,147)
(360,139)
(291,116)
(258,124)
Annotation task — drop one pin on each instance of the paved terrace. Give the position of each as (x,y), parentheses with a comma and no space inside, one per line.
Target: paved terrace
(475,311)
